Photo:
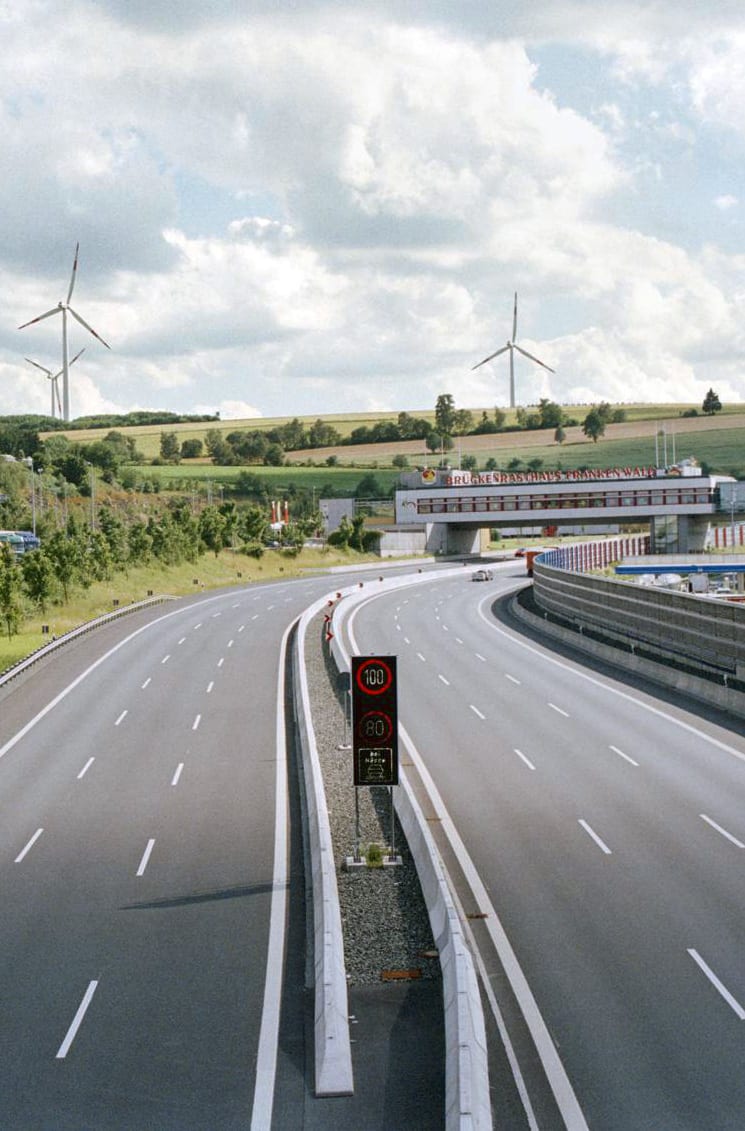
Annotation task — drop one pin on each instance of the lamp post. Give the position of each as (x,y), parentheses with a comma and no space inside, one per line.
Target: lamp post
(30,465)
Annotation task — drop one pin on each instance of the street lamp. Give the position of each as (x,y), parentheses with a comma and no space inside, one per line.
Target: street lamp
(30,465)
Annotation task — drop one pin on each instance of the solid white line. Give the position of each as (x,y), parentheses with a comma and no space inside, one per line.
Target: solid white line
(511,678)
(196,722)
(421,657)
(86,767)
(76,1021)
(700,734)
(210,685)
(591,832)
(145,858)
(731,1001)
(622,755)
(166,658)
(177,775)
(719,829)
(121,718)
(527,761)
(147,681)
(476,711)
(266,1056)
(29,846)
(559,710)
(445,681)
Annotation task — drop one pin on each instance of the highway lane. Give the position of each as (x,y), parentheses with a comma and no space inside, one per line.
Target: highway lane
(136,857)
(609,831)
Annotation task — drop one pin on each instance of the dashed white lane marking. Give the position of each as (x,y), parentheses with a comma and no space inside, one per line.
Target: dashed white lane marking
(622,755)
(210,685)
(476,711)
(121,717)
(29,846)
(527,761)
(558,710)
(445,681)
(221,661)
(480,657)
(181,641)
(77,1021)
(216,615)
(196,722)
(445,628)
(166,658)
(421,657)
(724,832)
(458,640)
(591,832)
(177,775)
(85,768)
(255,616)
(198,625)
(241,628)
(731,1001)
(145,857)
(406,640)
(147,681)
(230,644)
(511,678)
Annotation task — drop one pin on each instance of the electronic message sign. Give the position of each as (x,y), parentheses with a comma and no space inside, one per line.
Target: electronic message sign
(374,720)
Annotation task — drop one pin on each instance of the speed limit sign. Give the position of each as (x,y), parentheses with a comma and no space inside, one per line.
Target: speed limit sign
(374,720)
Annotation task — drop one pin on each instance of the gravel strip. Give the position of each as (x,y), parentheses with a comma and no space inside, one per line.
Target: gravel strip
(384,917)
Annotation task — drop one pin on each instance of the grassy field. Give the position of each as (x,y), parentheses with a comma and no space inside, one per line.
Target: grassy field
(209,573)
(147,437)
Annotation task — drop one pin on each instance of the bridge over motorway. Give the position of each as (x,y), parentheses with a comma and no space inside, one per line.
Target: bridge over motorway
(679,504)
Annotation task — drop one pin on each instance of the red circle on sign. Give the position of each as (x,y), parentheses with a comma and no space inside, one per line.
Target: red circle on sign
(378,688)
(371,718)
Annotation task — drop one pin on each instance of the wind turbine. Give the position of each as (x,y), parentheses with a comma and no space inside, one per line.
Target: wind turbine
(64,309)
(54,378)
(512,346)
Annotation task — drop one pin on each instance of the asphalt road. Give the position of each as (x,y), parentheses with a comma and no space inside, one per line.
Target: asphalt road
(138,778)
(608,826)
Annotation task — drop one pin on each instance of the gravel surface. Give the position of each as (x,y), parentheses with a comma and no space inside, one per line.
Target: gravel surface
(384,917)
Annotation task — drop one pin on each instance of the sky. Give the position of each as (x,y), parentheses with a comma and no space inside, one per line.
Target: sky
(297,207)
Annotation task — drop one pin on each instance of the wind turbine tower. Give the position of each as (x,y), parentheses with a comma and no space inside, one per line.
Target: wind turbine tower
(64,309)
(512,346)
(54,378)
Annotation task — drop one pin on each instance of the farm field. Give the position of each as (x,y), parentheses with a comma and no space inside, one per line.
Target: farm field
(147,436)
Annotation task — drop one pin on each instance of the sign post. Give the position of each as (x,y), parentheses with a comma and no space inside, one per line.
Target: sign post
(375,725)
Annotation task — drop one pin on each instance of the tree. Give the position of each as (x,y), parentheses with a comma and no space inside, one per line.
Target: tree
(711,403)
(191,449)
(170,449)
(445,413)
(551,414)
(462,422)
(11,591)
(38,577)
(594,425)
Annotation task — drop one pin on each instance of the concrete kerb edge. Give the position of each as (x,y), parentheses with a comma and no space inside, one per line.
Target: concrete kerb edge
(333,1051)
(467,1093)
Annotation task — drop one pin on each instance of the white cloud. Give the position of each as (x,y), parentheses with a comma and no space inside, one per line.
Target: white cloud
(724,203)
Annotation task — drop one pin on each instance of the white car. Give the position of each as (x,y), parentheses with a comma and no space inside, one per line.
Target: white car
(482,575)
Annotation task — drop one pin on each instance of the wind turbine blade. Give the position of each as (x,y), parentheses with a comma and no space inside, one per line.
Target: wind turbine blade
(90,329)
(48,314)
(74,272)
(491,355)
(59,402)
(77,355)
(532,358)
(514,320)
(41,367)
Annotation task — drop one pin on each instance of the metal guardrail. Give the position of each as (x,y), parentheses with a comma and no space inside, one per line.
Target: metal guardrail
(58,642)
